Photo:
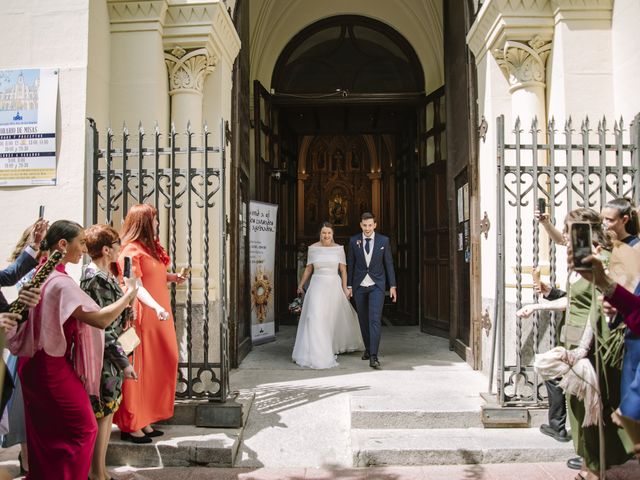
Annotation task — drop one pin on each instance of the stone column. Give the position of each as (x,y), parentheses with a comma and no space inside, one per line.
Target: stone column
(187,73)
(523,63)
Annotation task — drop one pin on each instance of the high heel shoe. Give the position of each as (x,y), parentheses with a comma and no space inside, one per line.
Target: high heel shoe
(127,437)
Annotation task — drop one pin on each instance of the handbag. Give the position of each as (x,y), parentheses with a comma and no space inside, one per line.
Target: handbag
(129,340)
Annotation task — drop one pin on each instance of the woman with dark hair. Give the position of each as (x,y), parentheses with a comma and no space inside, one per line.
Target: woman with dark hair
(583,309)
(64,342)
(620,217)
(151,398)
(328,323)
(100,281)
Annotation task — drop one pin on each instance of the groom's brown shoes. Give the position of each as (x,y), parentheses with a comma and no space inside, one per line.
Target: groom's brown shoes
(373,362)
(365,355)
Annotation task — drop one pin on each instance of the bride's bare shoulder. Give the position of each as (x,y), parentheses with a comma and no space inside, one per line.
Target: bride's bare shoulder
(317,244)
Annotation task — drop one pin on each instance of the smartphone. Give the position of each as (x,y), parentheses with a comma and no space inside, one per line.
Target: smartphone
(41,212)
(542,205)
(126,271)
(184,272)
(581,245)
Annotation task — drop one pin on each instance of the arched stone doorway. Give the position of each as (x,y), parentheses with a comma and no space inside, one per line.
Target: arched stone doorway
(347,128)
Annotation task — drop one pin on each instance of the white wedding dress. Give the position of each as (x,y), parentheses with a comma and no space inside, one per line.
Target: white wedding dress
(328,323)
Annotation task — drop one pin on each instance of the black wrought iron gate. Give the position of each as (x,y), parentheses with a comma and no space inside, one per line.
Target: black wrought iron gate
(583,168)
(185,181)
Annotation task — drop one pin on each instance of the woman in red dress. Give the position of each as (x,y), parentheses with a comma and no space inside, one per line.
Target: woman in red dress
(151,398)
(64,342)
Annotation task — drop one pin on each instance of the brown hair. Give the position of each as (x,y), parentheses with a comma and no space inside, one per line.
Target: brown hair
(21,243)
(326,225)
(367,216)
(138,227)
(598,235)
(98,236)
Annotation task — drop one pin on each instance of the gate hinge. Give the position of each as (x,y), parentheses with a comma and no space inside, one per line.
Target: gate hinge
(485,225)
(486,321)
(482,129)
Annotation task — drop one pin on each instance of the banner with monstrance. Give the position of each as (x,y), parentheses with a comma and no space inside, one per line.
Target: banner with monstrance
(28,102)
(262,247)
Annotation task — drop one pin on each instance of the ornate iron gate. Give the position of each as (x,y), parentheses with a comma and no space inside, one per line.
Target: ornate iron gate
(569,173)
(185,181)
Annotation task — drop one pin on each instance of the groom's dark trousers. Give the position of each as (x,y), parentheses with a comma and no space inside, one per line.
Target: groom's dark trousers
(369,304)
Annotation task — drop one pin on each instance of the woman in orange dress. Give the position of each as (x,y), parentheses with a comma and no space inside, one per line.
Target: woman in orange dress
(151,397)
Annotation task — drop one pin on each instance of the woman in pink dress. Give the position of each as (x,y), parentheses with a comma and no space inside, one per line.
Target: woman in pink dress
(64,344)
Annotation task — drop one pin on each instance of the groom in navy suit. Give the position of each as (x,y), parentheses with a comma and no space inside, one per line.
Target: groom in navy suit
(369,266)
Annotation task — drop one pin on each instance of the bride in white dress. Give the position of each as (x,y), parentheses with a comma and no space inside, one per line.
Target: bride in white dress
(328,323)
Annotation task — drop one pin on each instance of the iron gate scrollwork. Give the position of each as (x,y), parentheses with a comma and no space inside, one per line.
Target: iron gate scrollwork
(185,181)
(584,168)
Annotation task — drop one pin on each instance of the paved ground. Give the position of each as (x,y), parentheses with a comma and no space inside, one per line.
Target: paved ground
(299,425)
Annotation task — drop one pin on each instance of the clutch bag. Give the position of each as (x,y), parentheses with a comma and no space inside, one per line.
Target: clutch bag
(129,340)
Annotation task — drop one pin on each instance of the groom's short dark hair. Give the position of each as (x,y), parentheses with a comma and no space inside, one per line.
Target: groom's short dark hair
(367,216)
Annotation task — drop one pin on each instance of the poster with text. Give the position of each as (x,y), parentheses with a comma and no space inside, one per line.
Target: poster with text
(28,102)
(262,244)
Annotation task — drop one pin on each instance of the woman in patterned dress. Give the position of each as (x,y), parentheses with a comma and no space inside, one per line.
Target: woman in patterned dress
(100,282)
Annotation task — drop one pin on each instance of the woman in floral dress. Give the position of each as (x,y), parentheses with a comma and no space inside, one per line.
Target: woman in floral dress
(100,282)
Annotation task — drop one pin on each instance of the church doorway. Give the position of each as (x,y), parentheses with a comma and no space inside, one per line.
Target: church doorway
(346,128)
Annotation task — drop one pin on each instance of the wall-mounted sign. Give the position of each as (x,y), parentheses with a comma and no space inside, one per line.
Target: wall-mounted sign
(28,102)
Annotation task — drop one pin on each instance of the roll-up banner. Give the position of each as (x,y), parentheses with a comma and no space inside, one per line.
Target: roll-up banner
(262,239)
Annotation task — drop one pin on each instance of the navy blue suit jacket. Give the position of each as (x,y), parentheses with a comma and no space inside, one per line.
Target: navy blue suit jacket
(14,272)
(380,268)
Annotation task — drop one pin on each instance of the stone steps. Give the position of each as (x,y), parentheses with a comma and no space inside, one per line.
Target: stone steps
(398,412)
(450,446)
(180,446)
(185,444)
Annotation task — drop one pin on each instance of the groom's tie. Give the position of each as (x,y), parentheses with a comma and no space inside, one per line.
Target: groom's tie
(367,244)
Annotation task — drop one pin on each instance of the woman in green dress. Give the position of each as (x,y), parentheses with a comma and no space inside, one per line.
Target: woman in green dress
(585,312)
(100,282)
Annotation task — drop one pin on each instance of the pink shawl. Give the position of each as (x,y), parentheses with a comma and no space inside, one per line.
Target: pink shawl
(60,297)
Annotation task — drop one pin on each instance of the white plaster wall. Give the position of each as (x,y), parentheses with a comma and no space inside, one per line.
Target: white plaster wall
(98,65)
(493,100)
(580,71)
(49,34)
(625,37)
(275,22)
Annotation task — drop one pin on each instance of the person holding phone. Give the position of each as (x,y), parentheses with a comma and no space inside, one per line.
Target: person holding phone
(100,281)
(151,398)
(63,345)
(581,304)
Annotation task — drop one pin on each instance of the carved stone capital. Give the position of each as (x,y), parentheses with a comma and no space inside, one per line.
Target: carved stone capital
(187,70)
(198,24)
(524,63)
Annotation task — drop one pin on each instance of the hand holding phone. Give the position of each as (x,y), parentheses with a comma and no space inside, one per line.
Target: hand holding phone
(581,245)
(542,205)
(126,271)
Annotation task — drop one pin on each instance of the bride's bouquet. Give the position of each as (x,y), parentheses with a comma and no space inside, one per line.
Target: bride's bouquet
(295,307)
